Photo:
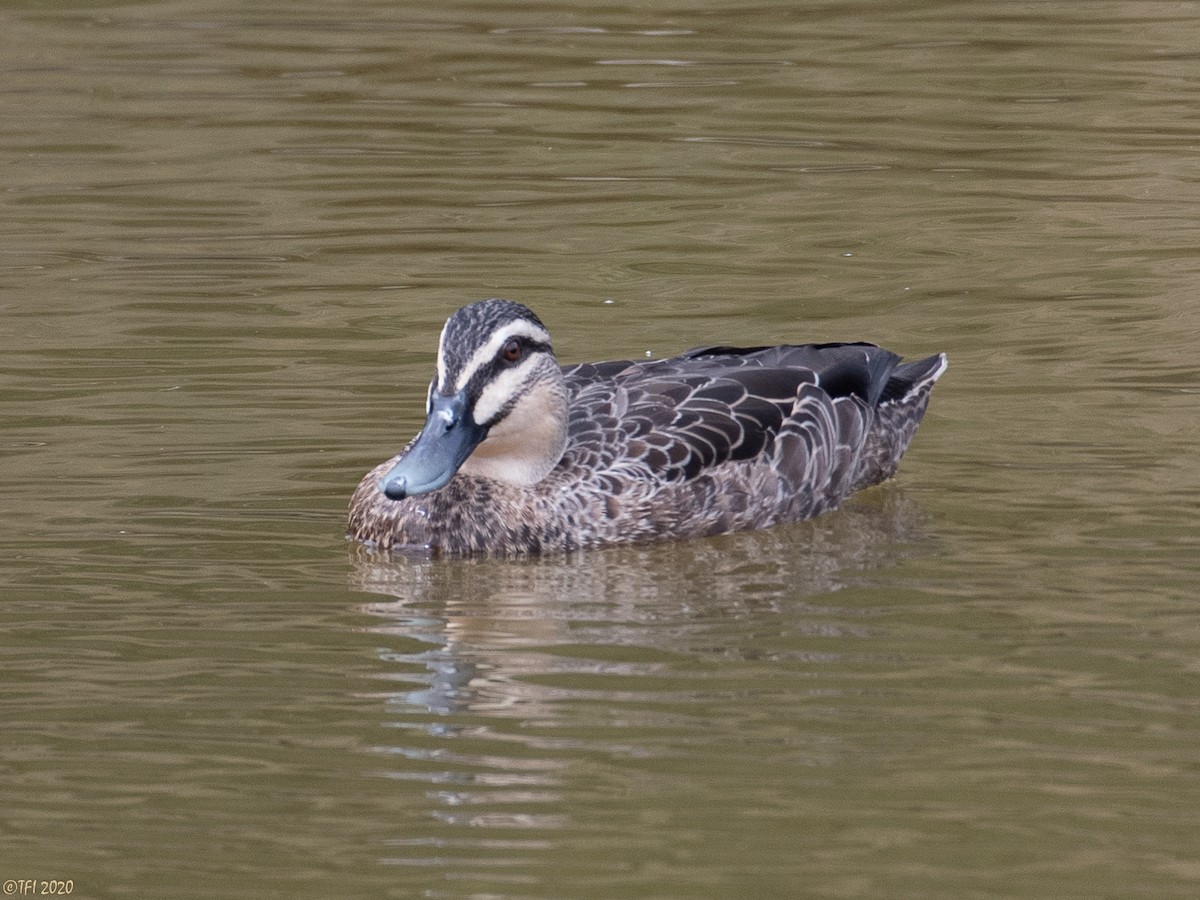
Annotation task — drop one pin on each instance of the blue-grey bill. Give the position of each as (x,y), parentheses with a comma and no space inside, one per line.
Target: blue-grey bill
(449,436)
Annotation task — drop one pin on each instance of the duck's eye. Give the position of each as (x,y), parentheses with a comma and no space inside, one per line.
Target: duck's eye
(511,351)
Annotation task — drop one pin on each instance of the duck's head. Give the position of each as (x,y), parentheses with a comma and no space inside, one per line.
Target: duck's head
(497,406)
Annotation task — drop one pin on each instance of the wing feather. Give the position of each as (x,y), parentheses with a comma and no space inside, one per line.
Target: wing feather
(807,409)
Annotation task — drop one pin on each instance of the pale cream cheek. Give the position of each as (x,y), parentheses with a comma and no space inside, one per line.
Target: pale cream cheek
(500,389)
(527,443)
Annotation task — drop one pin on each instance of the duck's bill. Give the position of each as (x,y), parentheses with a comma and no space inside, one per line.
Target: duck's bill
(449,436)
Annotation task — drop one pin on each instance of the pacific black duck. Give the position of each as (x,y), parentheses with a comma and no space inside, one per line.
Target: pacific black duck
(520,455)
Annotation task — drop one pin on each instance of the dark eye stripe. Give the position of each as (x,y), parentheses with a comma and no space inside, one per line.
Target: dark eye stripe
(487,372)
(528,349)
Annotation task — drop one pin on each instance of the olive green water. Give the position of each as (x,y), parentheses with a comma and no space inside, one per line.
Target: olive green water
(229,235)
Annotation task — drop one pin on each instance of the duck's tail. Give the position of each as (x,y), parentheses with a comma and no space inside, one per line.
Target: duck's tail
(899,412)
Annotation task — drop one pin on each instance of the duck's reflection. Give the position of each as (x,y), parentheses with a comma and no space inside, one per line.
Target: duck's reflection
(487,632)
(513,683)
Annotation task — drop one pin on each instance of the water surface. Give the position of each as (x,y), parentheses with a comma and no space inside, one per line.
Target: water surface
(230,236)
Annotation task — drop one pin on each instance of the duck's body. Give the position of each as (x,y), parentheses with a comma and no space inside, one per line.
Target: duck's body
(521,456)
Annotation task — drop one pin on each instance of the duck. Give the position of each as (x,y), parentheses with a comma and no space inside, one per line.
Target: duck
(519,455)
